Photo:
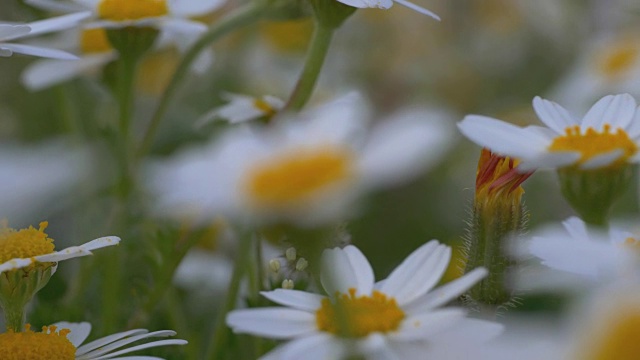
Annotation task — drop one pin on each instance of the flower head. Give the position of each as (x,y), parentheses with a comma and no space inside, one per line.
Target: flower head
(386,4)
(607,136)
(398,317)
(305,170)
(10,32)
(497,179)
(32,247)
(62,341)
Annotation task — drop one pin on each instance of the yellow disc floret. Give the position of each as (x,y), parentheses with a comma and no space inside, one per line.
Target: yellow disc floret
(291,178)
(24,243)
(618,340)
(121,10)
(592,143)
(358,316)
(619,59)
(265,107)
(49,344)
(93,41)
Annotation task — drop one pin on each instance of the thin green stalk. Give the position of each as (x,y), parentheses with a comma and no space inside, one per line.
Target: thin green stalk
(220,331)
(67,110)
(126,77)
(240,17)
(316,55)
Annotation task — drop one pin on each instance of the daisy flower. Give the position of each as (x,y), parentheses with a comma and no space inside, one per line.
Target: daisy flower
(608,135)
(397,318)
(306,169)
(62,341)
(10,32)
(386,4)
(591,254)
(241,108)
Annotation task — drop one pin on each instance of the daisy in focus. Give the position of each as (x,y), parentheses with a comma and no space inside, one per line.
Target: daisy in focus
(11,32)
(25,247)
(398,318)
(591,254)
(607,136)
(242,108)
(306,169)
(62,341)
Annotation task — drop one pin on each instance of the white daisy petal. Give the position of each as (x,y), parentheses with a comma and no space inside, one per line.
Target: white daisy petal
(362,269)
(548,160)
(194,8)
(447,292)
(39,51)
(468,331)
(340,274)
(314,347)
(108,340)
(417,8)
(418,273)
(296,299)
(553,115)
(137,348)
(105,350)
(15,264)
(502,137)
(273,323)
(602,160)
(616,110)
(423,326)
(634,128)
(79,331)
(57,23)
(46,73)
(8,31)
(56,6)
(576,228)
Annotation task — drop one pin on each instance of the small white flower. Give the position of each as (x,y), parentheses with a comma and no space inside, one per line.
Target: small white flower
(609,134)
(241,108)
(590,254)
(10,32)
(398,318)
(64,339)
(307,169)
(22,248)
(386,4)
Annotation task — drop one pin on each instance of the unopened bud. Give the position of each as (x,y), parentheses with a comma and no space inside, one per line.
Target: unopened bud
(274,265)
(287,284)
(301,264)
(291,254)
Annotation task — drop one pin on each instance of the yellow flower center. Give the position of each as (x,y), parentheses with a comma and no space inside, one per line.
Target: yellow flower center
(93,41)
(618,341)
(120,10)
(593,143)
(46,345)
(293,177)
(619,59)
(24,243)
(264,106)
(358,316)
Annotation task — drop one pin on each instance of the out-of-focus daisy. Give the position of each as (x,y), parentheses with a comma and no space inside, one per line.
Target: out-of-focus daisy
(10,32)
(398,318)
(241,108)
(62,341)
(607,65)
(589,253)
(609,134)
(306,169)
(386,4)
(23,188)
(30,246)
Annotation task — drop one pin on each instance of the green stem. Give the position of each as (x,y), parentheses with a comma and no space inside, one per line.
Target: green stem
(66,109)
(316,55)
(236,19)
(126,78)
(220,332)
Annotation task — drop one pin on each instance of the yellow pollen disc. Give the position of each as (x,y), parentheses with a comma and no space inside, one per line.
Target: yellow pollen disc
(24,243)
(45,345)
(93,41)
(593,143)
(120,10)
(264,107)
(618,340)
(362,315)
(621,58)
(293,177)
